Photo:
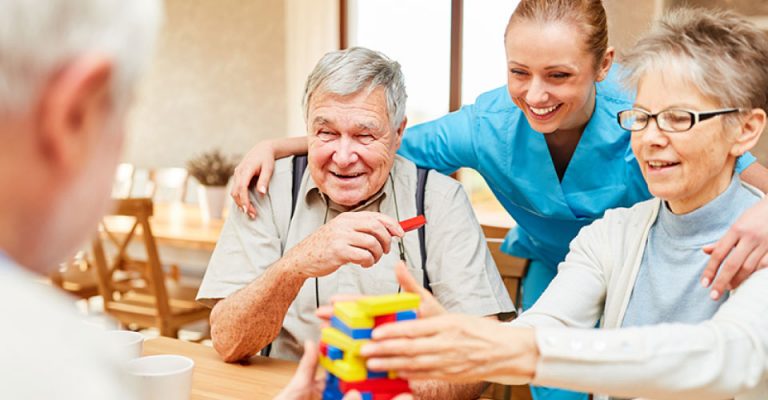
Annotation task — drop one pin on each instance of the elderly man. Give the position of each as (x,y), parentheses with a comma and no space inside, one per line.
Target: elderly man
(66,71)
(268,276)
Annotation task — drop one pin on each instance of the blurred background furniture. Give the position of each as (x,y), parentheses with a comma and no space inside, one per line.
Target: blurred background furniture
(78,278)
(123,184)
(139,293)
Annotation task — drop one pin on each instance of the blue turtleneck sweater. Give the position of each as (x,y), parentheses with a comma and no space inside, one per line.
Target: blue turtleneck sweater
(668,286)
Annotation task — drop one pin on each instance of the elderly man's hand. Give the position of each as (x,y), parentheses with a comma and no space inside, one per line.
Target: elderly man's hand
(354,237)
(454,347)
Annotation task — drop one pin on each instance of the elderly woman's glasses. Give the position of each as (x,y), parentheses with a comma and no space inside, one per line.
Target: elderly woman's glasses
(673,120)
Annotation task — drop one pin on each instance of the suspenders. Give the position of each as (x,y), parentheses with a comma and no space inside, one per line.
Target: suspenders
(300,165)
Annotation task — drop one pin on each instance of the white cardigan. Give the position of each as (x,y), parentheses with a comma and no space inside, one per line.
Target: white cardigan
(715,359)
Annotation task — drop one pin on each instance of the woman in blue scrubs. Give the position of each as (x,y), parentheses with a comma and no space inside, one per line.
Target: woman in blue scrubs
(547,144)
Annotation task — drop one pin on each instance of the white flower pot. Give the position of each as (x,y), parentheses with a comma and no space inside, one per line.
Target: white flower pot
(212,200)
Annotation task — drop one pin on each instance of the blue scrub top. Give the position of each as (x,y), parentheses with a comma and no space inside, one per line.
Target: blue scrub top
(493,137)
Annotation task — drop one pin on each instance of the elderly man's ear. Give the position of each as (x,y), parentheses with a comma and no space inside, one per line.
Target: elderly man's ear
(400,130)
(75,105)
(751,128)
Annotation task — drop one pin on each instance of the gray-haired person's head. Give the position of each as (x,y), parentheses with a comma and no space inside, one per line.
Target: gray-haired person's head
(346,72)
(38,38)
(724,56)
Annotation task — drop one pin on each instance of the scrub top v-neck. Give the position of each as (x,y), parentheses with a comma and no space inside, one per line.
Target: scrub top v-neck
(493,137)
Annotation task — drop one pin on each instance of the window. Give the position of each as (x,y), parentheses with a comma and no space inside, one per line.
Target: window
(417,35)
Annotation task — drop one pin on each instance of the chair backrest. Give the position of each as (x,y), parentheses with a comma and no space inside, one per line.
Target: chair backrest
(111,270)
(123,184)
(512,269)
(167,184)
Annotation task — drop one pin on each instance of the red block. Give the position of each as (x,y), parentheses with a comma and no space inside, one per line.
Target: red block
(324,349)
(384,319)
(413,223)
(387,396)
(376,386)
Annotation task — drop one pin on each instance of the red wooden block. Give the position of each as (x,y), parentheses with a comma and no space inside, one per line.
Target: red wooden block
(376,386)
(384,319)
(387,396)
(413,223)
(324,349)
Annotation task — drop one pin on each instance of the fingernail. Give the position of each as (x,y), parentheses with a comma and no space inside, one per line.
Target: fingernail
(262,189)
(705,282)
(251,215)
(714,295)
(243,209)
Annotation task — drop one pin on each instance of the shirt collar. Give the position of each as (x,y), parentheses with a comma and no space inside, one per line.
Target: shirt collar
(313,191)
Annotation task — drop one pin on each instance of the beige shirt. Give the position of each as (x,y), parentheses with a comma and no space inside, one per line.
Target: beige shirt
(461,271)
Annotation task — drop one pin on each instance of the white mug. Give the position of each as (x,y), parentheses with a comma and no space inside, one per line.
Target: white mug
(127,345)
(162,377)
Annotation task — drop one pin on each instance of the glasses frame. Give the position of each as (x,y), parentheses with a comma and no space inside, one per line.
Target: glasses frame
(696,117)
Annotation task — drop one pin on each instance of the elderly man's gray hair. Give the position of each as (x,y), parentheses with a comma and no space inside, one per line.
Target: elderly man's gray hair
(346,72)
(38,38)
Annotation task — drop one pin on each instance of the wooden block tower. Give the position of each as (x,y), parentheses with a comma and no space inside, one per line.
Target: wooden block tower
(351,327)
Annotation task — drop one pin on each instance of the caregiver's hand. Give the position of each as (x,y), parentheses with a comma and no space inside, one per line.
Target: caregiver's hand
(453,347)
(260,160)
(737,255)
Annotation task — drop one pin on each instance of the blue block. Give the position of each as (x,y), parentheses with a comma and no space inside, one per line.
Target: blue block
(332,390)
(377,375)
(366,395)
(353,333)
(406,315)
(335,353)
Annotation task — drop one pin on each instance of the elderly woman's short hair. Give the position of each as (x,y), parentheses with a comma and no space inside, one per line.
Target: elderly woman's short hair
(347,72)
(38,39)
(722,54)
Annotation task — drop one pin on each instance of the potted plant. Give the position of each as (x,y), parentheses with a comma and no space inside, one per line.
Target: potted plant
(212,169)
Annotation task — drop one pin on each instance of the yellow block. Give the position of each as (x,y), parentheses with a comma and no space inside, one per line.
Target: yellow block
(388,304)
(347,370)
(352,315)
(337,338)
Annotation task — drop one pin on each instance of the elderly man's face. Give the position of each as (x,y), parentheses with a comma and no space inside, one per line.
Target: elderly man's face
(687,169)
(352,144)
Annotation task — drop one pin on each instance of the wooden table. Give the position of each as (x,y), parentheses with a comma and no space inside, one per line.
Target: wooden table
(175,225)
(212,378)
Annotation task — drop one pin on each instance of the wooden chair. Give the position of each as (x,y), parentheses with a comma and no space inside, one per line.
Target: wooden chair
(512,270)
(77,277)
(138,292)
(167,184)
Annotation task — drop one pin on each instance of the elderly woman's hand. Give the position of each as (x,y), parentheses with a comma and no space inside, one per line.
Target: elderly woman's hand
(428,307)
(742,251)
(454,347)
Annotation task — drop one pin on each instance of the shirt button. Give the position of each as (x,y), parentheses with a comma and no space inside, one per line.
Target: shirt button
(599,346)
(577,345)
(550,341)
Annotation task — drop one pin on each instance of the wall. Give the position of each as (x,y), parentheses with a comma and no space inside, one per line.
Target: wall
(217,80)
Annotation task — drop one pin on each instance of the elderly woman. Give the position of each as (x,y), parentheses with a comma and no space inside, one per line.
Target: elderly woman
(701,82)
